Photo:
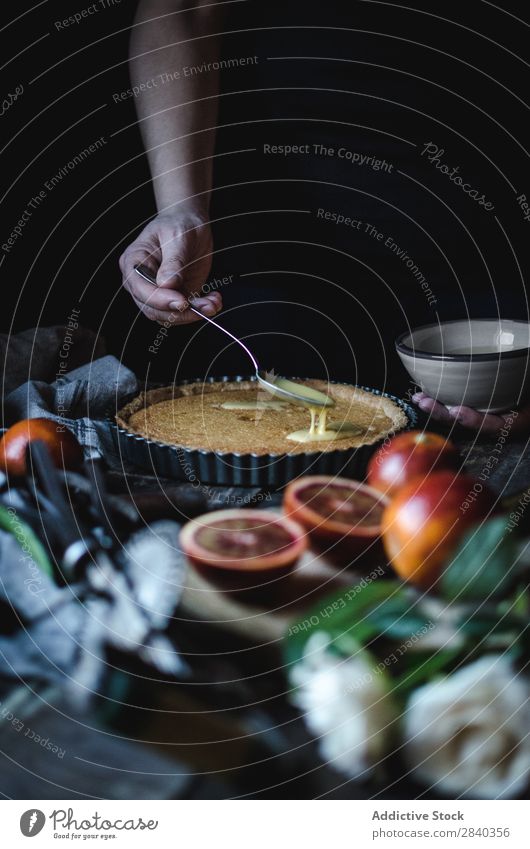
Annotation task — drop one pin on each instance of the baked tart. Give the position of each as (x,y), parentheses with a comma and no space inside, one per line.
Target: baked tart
(230,430)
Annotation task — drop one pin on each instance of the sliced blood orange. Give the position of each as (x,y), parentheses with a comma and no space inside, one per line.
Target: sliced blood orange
(342,516)
(243,541)
(65,450)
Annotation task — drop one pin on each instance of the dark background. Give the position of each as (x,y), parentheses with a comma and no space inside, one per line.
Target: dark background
(315,298)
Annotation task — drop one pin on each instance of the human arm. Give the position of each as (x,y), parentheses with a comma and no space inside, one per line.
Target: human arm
(177,111)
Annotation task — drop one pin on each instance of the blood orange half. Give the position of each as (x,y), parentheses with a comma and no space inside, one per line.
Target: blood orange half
(342,516)
(243,541)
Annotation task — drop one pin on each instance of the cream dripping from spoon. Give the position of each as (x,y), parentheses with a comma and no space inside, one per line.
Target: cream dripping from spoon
(318,404)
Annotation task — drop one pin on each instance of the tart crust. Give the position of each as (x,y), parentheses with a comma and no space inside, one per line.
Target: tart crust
(191,416)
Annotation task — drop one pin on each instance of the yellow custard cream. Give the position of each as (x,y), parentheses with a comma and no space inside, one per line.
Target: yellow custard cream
(254,405)
(318,404)
(322,431)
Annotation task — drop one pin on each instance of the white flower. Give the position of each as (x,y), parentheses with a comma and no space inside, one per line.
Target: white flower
(446,620)
(346,705)
(469,733)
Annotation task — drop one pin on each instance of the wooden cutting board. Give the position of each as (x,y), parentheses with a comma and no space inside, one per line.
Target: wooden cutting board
(265,617)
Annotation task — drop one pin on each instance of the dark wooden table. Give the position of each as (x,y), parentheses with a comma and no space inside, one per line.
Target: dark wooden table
(229,732)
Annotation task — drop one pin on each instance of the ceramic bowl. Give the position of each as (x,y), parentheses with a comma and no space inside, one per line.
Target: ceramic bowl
(481,363)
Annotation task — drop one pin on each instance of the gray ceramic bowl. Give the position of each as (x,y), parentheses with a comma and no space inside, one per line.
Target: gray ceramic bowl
(482,363)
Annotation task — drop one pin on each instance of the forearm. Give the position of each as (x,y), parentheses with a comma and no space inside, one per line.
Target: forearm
(177,109)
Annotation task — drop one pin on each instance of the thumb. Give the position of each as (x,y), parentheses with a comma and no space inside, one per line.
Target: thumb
(171,271)
(176,255)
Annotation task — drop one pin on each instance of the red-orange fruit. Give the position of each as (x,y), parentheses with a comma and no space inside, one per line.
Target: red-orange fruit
(425,521)
(255,541)
(64,449)
(342,516)
(409,455)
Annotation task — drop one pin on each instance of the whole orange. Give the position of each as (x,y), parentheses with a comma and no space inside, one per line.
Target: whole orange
(425,521)
(409,455)
(64,448)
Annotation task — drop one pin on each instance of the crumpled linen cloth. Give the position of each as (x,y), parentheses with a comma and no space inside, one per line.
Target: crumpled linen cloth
(81,400)
(62,634)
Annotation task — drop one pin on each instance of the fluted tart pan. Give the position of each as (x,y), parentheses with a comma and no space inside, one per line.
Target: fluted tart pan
(231,468)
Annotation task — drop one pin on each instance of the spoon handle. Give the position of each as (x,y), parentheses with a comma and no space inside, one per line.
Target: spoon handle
(146,274)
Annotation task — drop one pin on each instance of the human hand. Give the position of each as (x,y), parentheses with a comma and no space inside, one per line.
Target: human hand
(177,249)
(485,423)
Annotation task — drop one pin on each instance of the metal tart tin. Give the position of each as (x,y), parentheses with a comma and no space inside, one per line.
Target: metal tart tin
(270,471)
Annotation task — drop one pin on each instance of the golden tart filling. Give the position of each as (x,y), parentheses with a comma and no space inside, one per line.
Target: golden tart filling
(241,417)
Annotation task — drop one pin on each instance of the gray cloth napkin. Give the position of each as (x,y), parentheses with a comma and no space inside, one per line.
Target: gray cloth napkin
(81,400)
(62,634)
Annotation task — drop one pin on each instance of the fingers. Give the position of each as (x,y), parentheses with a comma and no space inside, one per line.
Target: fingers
(464,416)
(147,294)
(492,423)
(209,304)
(159,303)
(178,255)
(155,301)
(179,314)
(132,257)
(485,423)
(138,287)
(433,408)
(472,419)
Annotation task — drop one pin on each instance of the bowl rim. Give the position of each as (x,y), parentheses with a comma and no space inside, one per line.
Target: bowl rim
(418,353)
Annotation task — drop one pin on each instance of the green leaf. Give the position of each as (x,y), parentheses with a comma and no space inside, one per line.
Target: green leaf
(398,618)
(483,566)
(334,614)
(520,604)
(10,522)
(355,616)
(423,667)
(491,623)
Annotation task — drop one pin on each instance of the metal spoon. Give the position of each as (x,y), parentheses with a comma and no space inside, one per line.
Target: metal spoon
(274,384)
